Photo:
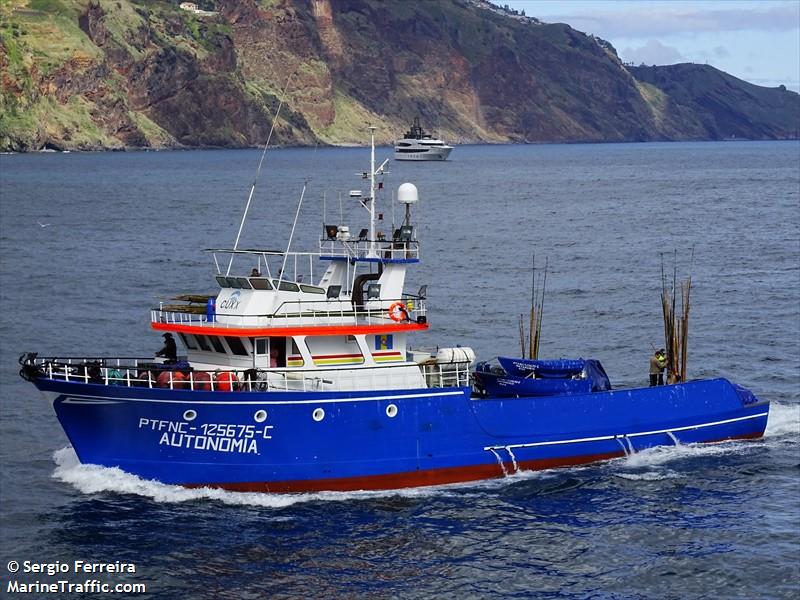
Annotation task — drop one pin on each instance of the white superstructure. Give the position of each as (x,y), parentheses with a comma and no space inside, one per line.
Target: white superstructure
(418,145)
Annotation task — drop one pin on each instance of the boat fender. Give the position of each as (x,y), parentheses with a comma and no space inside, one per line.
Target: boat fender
(115,377)
(398,312)
(144,379)
(201,381)
(226,381)
(459,354)
(176,377)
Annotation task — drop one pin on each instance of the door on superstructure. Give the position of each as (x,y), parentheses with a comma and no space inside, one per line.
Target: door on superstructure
(260,353)
(269,353)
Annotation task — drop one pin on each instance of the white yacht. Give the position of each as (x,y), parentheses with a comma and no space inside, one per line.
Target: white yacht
(418,145)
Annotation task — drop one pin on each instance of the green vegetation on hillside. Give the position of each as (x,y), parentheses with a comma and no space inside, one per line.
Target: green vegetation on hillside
(136,73)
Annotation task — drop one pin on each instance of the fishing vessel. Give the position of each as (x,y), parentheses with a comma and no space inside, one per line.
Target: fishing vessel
(298,375)
(418,145)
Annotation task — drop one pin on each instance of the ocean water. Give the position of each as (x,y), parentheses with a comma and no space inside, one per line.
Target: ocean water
(89,242)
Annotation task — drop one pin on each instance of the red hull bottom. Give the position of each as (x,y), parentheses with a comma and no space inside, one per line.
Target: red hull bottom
(425,478)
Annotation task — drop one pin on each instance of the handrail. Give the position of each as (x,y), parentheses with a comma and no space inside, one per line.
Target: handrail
(251,380)
(346,314)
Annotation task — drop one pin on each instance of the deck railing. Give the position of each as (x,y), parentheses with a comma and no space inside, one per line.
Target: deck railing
(144,373)
(295,264)
(302,313)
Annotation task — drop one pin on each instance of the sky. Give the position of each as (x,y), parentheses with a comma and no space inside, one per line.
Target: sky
(754,40)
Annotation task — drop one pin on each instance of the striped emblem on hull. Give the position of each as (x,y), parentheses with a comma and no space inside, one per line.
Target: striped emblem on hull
(337,359)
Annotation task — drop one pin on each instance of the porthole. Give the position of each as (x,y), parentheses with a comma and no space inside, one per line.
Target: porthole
(318,414)
(190,415)
(391,411)
(260,416)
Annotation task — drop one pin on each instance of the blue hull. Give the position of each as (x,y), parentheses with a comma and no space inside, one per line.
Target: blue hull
(305,441)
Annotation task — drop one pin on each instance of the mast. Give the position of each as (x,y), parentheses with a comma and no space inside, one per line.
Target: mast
(372,253)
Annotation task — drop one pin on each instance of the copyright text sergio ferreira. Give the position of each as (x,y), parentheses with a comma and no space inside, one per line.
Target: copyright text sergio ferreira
(70,577)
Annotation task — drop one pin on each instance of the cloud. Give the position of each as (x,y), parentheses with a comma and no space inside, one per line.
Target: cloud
(721,52)
(650,21)
(653,53)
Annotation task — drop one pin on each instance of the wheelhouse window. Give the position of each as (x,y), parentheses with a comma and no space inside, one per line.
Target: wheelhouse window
(260,283)
(236,346)
(312,289)
(188,341)
(203,343)
(287,286)
(218,347)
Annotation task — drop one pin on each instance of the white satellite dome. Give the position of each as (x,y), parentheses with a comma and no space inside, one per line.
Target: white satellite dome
(407,193)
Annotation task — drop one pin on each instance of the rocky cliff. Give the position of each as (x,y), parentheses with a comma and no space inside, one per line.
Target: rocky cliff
(139,73)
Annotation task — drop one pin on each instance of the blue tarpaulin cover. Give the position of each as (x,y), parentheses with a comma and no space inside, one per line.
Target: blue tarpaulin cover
(522,377)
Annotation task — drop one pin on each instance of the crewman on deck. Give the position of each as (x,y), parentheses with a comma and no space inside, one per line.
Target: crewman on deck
(170,350)
(658,362)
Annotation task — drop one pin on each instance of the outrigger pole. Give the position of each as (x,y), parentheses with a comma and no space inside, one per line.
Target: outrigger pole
(258,174)
(372,253)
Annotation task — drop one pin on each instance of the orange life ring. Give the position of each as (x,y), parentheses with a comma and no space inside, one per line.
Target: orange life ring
(398,312)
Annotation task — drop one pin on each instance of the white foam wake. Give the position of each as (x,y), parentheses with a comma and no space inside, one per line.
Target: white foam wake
(784,420)
(94,479)
(783,425)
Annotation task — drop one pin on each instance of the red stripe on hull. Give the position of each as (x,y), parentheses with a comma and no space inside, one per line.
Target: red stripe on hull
(394,481)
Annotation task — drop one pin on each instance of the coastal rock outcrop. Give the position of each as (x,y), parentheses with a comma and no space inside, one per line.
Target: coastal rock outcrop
(94,74)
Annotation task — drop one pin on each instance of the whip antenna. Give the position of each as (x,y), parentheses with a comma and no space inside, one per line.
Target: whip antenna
(258,173)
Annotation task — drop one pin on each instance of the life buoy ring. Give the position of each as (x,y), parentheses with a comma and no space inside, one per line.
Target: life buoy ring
(398,312)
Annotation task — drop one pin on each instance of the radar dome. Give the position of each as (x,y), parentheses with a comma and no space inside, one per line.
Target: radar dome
(407,193)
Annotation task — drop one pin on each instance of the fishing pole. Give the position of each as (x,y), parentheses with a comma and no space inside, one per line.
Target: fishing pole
(258,172)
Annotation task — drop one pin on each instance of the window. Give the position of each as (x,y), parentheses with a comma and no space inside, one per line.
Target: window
(236,346)
(287,286)
(261,346)
(312,289)
(203,342)
(222,281)
(242,283)
(217,344)
(232,282)
(260,283)
(188,341)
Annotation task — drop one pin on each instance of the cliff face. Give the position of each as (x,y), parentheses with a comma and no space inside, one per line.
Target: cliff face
(136,73)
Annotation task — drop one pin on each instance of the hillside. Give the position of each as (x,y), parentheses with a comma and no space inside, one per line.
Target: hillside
(87,74)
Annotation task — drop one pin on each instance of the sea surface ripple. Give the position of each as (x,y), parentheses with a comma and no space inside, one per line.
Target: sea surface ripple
(89,242)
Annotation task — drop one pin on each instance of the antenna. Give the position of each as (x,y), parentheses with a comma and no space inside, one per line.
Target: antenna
(258,173)
(372,253)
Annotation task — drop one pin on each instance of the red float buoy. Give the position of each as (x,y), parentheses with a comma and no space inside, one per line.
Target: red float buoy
(226,381)
(201,381)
